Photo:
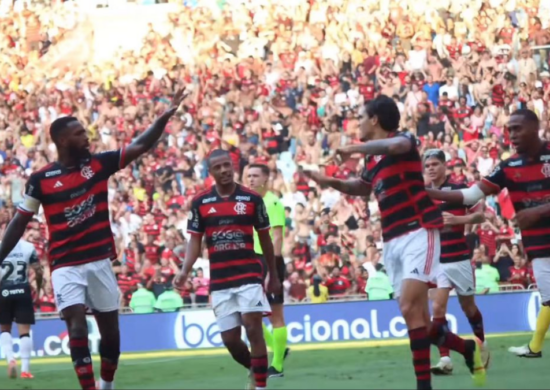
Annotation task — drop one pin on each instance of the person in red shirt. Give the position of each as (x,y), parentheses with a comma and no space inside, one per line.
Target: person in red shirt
(488,236)
(518,273)
(337,284)
(46,302)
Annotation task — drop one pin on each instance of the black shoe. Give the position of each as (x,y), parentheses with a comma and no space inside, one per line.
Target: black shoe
(273,373)
(287,352)
(469,354)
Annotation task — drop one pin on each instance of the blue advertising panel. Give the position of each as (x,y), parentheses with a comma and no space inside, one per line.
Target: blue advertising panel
(338,321)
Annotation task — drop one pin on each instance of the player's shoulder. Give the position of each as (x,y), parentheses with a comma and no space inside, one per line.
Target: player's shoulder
(408,135)
(50,170)
(244,193)
(450,184)
(514,160)
(202,195)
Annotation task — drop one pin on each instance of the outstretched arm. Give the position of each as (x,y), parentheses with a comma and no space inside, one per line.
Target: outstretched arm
(149,137)
(13,233)
(467,196)
(388,146)
(354,187)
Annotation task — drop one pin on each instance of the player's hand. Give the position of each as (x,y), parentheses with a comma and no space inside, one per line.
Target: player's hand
(449,219)
(179,280)
(274,286)
(527,218)
(178,98)
(342,154)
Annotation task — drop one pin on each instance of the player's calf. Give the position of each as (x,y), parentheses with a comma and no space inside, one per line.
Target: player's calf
(75,316)
(109,347)
(237,347)
(473,314)
(253,325)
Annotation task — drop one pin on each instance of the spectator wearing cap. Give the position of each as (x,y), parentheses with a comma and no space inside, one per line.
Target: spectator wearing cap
(317,292)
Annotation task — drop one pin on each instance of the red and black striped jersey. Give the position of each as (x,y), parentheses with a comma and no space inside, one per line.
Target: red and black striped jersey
(76,208)
(528,183)
(398,185)
(454,247)
(228,224)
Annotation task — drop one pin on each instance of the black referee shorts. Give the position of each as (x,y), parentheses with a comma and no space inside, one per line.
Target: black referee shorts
(16,305)
(275,299)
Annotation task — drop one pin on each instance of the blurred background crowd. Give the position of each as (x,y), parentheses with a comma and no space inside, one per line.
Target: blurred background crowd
(279,83)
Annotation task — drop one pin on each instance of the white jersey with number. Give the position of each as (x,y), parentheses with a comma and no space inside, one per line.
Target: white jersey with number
(14,269)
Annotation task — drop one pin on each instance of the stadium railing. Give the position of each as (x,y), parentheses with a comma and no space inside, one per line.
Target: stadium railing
(510,287)
(532,287)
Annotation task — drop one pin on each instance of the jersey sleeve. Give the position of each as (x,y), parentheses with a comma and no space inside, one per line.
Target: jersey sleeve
(112,161)
(195,222)
(261,218)
(276,212)
(31,201)
(497,178)
(412,139)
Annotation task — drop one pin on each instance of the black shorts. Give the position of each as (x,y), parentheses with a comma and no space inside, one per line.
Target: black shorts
(275,299)
(16,305)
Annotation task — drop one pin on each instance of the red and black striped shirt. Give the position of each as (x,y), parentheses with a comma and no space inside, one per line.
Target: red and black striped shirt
(454,247)
(398,185)
(76,208)
(229,223)
(528,182)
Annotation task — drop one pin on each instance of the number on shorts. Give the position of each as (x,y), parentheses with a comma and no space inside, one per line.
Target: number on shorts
(9,268)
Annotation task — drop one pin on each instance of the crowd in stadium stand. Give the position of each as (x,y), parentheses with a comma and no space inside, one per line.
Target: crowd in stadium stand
(281,83)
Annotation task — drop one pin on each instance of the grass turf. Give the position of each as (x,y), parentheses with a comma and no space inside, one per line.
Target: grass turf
(365,366)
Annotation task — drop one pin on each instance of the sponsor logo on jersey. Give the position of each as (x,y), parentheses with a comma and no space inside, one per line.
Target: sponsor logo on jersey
(53,173)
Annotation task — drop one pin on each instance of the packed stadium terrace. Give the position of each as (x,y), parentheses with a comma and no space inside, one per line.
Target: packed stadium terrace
(279,83)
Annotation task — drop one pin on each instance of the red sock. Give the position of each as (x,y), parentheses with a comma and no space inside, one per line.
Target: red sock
(259,368)
(476,322)
(440,335)
(420,347)
(108,370)
(444,352)
(82,361)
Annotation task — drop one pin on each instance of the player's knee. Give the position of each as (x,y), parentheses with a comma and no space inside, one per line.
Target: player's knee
(410,309)
(254,333)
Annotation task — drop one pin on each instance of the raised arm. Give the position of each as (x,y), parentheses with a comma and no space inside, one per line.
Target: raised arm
(388,146)
(149,137)
(354,187)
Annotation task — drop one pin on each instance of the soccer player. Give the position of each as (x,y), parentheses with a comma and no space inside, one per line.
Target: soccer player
(227,215)
(73,193)
(410,228)
(526,175)
(258,176)
(456,268)
(16,304)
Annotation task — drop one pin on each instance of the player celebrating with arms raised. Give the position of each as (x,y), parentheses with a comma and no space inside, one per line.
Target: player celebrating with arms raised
(258,177)
(526,175)
(456,267)
(227,215)
(410,229)
(73,193)
(16,304)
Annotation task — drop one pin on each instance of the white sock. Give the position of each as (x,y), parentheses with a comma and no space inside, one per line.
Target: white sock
(25,348)
(446,359)
(103,385)
(6,343)
(260,388)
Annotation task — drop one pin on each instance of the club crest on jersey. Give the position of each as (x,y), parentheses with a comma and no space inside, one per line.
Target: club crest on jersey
(240,208)
(377,158)
(546,170)
(87,172)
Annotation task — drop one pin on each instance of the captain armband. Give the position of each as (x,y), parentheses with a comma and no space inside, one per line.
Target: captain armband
(472,195)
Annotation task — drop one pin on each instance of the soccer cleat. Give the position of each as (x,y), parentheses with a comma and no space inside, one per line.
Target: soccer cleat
(251,385)
(273,373)
(443,367)
(485,354)
(12,369)
(27,375)
(524,351)
(474,362)
(287,352)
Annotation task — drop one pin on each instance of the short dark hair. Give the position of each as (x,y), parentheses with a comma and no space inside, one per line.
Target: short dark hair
(59,125)
(215,154)
(435,153)
(264,168)
(528,115)
(385,109)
